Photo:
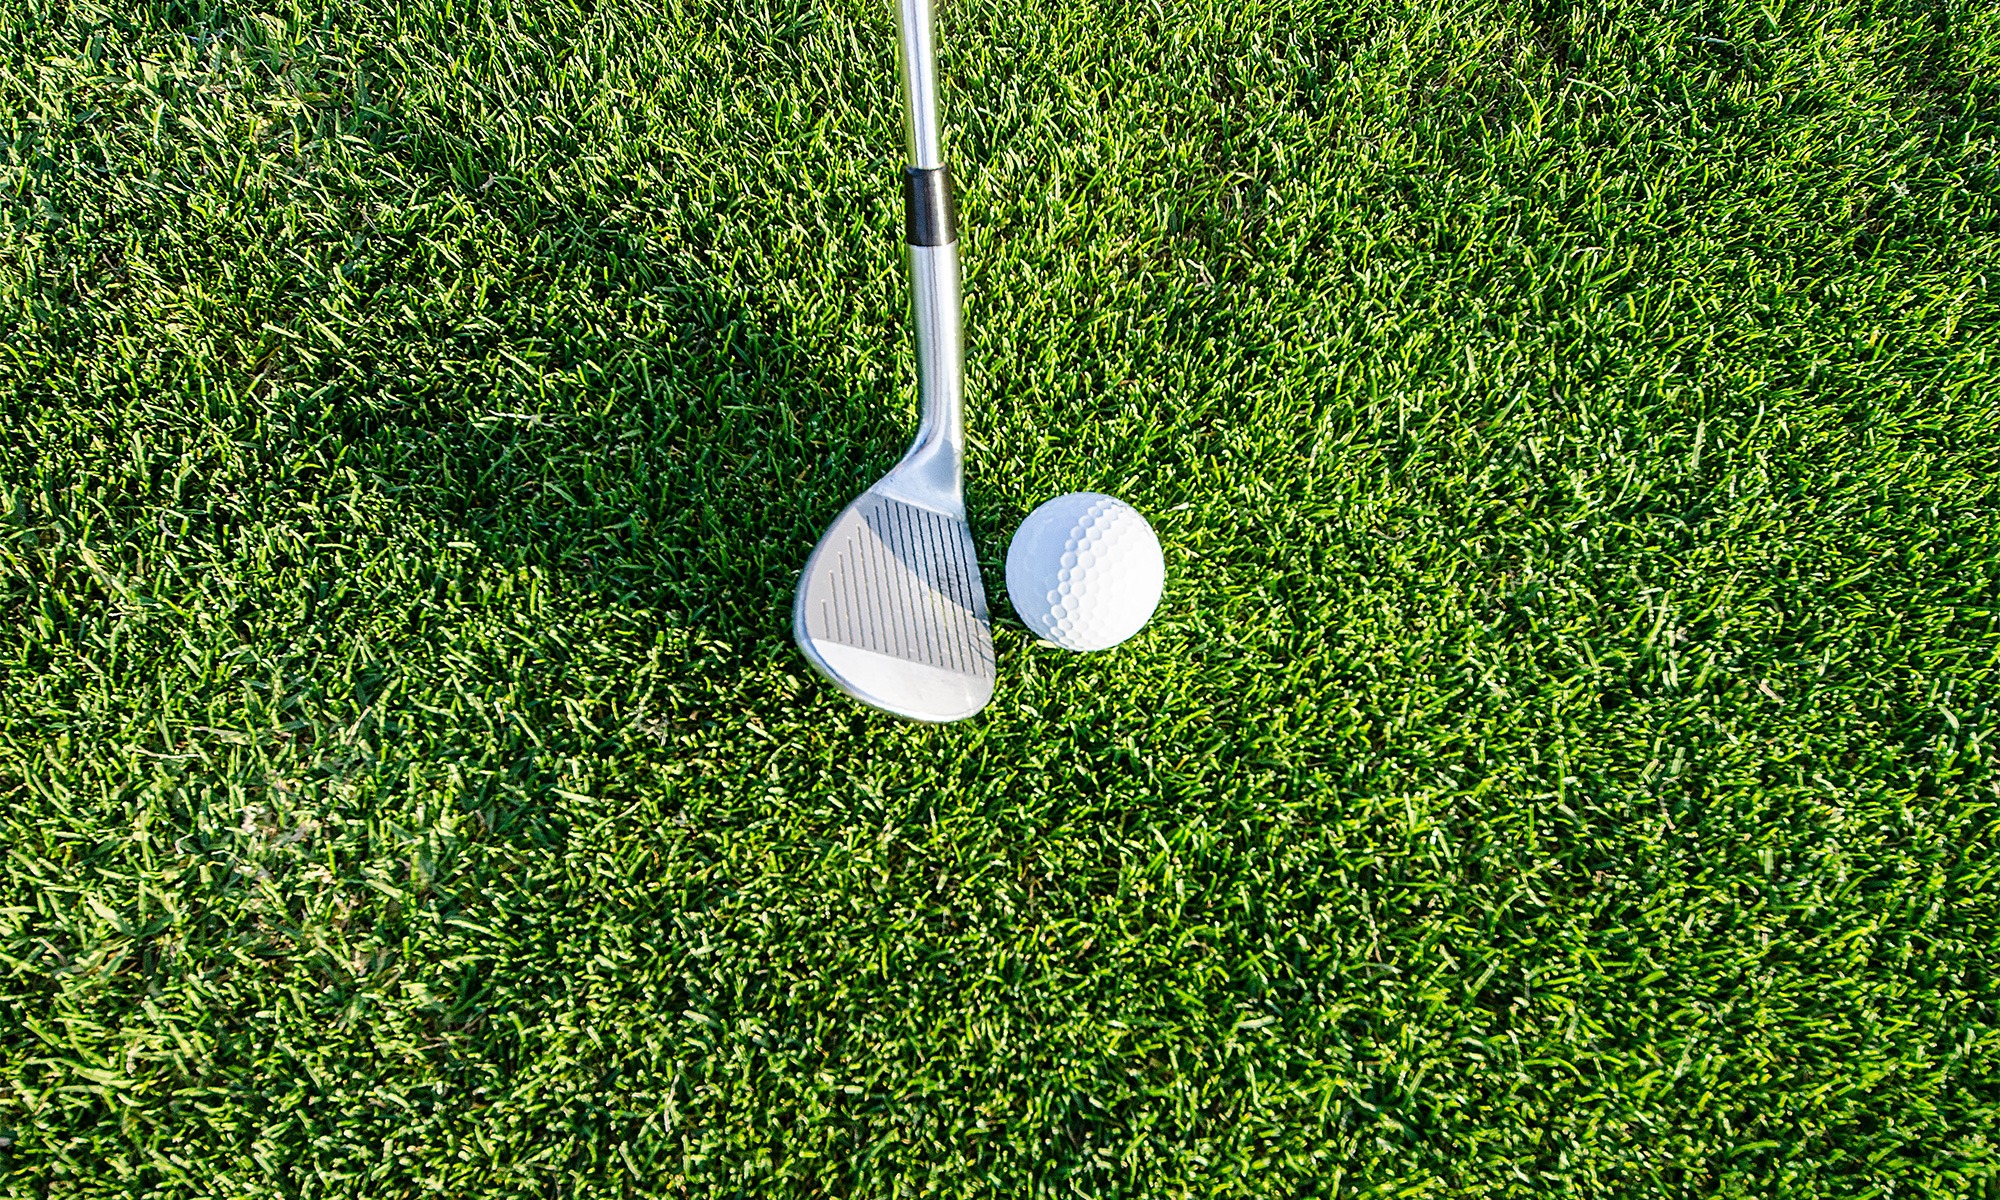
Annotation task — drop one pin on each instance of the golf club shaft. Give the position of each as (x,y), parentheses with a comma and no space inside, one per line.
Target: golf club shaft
(916,22)
(933,241)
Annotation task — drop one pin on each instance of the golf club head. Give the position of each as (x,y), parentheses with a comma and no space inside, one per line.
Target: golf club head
(890,609)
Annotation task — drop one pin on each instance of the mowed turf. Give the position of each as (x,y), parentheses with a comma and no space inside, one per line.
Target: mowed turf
(1563,763)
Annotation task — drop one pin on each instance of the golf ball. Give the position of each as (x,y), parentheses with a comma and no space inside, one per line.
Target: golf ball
(1084,571)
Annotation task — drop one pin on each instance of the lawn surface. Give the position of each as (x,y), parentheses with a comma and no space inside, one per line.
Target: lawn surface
(1564,762)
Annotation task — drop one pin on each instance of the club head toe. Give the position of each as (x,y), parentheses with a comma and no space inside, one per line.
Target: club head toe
(890,609)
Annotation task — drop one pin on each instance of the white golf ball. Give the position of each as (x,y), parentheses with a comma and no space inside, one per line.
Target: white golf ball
(1085,571)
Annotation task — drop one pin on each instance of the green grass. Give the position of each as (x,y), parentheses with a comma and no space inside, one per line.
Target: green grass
(1564,762)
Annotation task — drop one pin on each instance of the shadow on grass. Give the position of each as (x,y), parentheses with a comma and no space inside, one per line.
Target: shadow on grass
(682,463)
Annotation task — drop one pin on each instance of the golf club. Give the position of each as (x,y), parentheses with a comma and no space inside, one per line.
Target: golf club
(890,607)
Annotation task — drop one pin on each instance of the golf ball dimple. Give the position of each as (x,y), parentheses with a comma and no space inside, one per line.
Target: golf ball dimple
(1093,563)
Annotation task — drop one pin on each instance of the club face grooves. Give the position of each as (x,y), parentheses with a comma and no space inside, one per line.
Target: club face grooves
(901,581)
(901,584)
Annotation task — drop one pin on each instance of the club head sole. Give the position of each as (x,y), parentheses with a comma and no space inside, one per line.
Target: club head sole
(891,610)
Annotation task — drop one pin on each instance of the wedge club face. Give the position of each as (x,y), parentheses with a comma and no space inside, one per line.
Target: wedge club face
(890,607)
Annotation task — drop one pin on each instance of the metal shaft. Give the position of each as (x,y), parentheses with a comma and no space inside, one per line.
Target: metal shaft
(939,450)
(917,51)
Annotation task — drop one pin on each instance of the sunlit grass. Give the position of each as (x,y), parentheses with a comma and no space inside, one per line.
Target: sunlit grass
(1562,765)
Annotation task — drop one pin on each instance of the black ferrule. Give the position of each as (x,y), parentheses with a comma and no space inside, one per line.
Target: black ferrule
(929,214)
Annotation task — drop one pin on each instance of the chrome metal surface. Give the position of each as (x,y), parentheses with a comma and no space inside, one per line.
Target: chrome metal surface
(890,607)
(932,470)
(916,24)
